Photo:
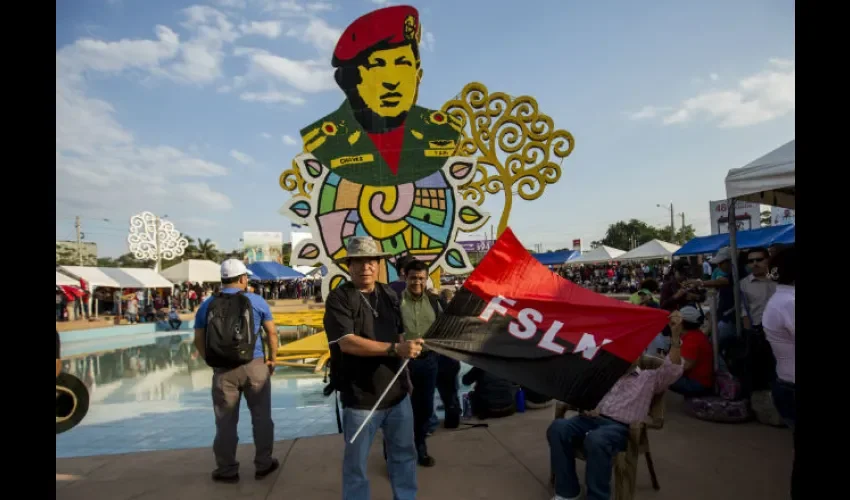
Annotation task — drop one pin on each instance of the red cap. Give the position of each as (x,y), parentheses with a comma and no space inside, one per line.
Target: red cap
(394,25)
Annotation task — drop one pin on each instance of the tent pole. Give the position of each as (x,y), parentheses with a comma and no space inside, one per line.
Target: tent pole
(733,249)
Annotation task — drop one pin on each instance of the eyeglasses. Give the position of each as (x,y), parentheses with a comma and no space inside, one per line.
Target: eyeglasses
(755,261)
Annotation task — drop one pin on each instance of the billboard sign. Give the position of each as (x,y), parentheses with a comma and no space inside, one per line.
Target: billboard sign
(476,245)
(263,246)
(780,216)
(747,216)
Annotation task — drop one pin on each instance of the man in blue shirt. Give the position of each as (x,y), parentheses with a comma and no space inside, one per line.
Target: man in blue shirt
(252,379)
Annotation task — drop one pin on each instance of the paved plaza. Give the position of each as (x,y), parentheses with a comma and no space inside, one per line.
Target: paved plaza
(694,460)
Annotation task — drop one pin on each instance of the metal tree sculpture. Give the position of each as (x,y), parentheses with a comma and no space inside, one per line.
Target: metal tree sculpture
(498,123)
(151,238)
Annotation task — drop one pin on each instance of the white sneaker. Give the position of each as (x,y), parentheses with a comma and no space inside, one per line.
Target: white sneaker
(559,497)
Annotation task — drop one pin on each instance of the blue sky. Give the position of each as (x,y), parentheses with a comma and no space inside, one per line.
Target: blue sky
(188,108)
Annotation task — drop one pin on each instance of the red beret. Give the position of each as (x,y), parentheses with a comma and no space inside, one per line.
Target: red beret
(394,25)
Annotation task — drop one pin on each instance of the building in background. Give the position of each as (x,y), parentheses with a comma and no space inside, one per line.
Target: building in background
(780,216)
(263,246)
(68,253)
(296,236)
(747,216)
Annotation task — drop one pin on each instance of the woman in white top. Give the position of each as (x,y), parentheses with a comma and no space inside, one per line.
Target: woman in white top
(780,329)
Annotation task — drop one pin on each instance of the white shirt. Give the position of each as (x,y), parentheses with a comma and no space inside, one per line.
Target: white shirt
(706,267)
(780,329)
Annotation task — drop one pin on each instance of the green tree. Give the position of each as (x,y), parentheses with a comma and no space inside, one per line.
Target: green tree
(627,235)
(682,236)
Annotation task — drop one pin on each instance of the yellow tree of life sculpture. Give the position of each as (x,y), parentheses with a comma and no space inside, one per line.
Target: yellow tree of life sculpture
(410,177)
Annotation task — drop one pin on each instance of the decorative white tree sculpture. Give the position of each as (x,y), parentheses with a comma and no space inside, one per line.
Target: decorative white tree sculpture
(151,238)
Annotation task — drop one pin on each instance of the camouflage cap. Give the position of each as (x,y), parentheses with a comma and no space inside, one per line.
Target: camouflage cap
(360,247)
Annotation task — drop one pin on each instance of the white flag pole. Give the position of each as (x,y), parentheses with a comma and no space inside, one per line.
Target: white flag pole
(378,402)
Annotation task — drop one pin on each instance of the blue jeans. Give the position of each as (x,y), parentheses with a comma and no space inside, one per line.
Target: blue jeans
(423,375)
(397,426)
(690,388)
(603,439)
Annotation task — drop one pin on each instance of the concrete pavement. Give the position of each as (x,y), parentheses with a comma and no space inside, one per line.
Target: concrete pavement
(506,461)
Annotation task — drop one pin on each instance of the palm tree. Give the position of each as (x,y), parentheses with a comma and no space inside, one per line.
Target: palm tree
(206,250)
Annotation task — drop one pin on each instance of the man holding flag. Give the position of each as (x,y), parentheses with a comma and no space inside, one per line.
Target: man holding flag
(364,328)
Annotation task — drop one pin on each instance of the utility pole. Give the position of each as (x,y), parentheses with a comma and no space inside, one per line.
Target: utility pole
(672,223)
(79,239)
(683,224)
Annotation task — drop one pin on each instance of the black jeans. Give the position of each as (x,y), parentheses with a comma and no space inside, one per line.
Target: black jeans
(447,372)
(423,375)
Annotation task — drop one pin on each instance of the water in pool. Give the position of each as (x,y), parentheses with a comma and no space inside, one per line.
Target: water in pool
(155,395)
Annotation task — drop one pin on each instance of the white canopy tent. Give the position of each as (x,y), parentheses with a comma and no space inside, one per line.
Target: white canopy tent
(654,249)
(195,271)
(769,180)
(93,275)
(137,277)
(62,280)
(598,254)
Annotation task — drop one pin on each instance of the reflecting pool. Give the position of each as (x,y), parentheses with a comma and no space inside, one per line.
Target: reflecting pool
(151,391)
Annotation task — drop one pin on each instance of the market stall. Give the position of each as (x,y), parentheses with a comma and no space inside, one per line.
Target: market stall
(194,271)
(598,254)
(653,249)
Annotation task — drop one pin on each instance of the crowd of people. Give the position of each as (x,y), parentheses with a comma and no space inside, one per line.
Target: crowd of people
(373,328)
(614,277)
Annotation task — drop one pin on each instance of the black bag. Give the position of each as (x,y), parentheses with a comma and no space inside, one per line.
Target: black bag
(230,337)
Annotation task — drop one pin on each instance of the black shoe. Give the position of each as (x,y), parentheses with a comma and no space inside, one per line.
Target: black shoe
(427,461)
(271,468)
(219,478)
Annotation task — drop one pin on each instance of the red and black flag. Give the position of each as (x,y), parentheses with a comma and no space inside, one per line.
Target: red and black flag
(517,320)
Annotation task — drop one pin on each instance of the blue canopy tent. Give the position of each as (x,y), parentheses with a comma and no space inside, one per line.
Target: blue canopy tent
(554,258)
(272,271)
(788,237)
(763,237)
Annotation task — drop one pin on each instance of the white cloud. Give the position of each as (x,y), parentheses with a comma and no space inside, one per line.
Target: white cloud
(100,166)
(269,29)
(320,35)
(203,195)
(380,2)
(233,4)
(306,76)
(319,6)
(271,97)
(266,135)
(714,77)
(758,98)
(646,112)
(282,6)
(428,41)
(289,141)
(201,57)
(243,158)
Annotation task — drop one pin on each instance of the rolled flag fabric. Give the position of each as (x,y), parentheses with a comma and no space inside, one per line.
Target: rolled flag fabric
(517,320)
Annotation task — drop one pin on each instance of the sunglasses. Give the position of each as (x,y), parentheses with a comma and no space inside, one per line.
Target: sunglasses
(755,261)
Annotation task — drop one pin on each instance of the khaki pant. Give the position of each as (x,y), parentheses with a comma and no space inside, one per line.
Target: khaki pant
(253,380)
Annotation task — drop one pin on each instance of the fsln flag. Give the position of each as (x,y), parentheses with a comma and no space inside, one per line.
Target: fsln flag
(517,320)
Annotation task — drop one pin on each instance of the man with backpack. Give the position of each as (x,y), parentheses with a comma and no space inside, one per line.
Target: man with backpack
(364,328)
(228,337)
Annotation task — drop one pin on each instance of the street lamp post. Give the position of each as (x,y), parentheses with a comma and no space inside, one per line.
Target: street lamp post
(672,220)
